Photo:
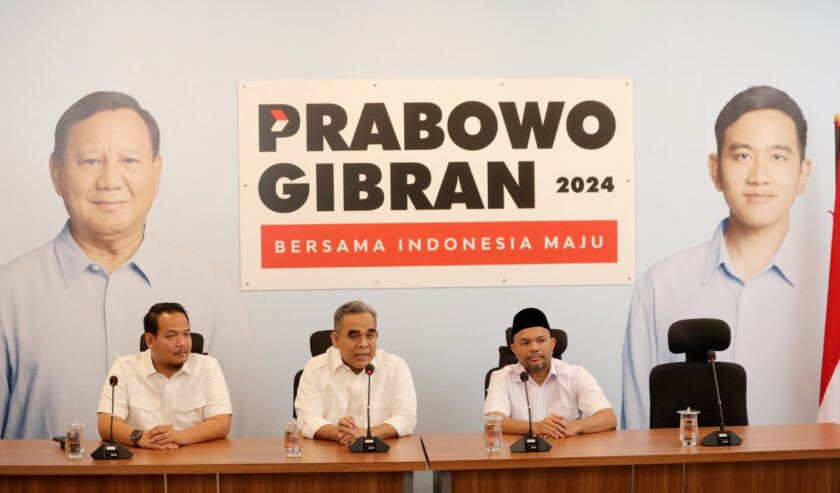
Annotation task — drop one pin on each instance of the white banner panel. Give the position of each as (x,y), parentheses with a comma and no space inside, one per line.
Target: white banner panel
(436,183)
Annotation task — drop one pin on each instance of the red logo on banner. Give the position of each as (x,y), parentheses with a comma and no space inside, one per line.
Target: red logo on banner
(428,244)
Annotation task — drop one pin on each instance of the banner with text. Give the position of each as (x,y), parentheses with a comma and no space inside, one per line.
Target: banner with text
(435,183)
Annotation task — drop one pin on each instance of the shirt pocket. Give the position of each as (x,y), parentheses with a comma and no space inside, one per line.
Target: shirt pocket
(190,410)
(145,412)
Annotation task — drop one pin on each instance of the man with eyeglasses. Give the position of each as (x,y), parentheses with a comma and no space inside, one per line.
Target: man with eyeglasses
(332,397)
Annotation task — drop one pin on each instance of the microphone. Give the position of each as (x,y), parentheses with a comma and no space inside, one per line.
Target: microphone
(369,443)
(369,372)
(721,437)
(530,442)
(112,449)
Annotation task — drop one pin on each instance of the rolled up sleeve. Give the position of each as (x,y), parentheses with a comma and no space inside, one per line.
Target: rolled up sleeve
(308,404)
(404,405)
(218,397)
(120,396)
(497,400)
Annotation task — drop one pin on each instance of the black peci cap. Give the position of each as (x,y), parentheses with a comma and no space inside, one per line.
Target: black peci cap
(527,318)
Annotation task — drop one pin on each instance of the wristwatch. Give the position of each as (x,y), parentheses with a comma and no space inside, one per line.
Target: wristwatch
(135,436)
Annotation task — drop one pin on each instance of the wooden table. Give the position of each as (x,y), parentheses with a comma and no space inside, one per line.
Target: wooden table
(796,458)
(238,465)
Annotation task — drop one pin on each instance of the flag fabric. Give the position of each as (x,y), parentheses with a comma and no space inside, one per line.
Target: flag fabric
(830,380)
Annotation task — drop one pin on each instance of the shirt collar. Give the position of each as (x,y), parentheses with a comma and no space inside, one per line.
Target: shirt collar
(147,368)
(786,261)
(717,257)
(73,262)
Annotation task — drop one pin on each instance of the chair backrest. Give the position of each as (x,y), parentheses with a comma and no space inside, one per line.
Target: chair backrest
(676,386)
(319,342)
(506,356)
(197,343)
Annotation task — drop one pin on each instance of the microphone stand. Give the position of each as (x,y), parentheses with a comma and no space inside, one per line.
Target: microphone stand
(368,443)
(721,437)
(112,449)
(530,442)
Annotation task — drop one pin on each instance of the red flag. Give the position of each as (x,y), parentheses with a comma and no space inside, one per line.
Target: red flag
(830,381)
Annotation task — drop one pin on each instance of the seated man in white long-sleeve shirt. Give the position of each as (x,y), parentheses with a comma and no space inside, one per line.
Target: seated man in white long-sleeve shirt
(332,397)
(565,399)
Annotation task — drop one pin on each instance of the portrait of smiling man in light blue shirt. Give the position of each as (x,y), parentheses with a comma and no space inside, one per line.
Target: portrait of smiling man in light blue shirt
(69,308)
(755,273)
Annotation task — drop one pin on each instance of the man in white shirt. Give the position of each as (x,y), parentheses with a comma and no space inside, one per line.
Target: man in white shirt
(165,396)
(332,397)
(565,399)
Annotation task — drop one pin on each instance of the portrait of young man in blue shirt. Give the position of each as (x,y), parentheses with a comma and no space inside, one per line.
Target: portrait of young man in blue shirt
(756,273)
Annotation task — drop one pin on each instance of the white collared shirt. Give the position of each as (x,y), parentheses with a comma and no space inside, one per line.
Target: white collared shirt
(569,391)
(329,391)
(145,398)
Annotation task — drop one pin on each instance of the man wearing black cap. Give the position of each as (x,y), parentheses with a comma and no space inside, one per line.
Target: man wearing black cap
(565,399)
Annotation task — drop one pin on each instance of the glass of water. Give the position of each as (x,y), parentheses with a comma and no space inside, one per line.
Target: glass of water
(74,437)
(293,438)
(492,433)
(688,427)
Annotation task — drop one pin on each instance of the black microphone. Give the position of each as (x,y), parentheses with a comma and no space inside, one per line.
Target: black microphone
(369,443)
(112,450)
(113,381)
(369,372)
(530,442)
(524,377)
(721,437)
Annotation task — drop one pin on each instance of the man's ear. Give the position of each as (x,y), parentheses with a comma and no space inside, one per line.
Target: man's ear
(714,171)
(150,339)
(334,338)
(158,167)
(55,173)
(804,174)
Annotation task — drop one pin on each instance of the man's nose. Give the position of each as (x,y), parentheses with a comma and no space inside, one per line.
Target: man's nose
(110,175)
(759,173)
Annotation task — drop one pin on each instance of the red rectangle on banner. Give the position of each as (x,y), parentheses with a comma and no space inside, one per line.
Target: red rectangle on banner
(439,244)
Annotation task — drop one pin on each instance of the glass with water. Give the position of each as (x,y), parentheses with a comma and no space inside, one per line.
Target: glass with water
(293,438)
(492,433)
(74,437)
(688,426)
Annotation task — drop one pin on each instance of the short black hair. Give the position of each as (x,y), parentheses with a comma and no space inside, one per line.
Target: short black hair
(92,104)
(150,321)
(761,98)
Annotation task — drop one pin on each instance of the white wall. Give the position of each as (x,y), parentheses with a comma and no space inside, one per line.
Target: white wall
(182,61)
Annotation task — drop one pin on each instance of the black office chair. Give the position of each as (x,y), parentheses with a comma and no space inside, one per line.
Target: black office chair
(319,342)
(197,343)
(676,386)
(506,356)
